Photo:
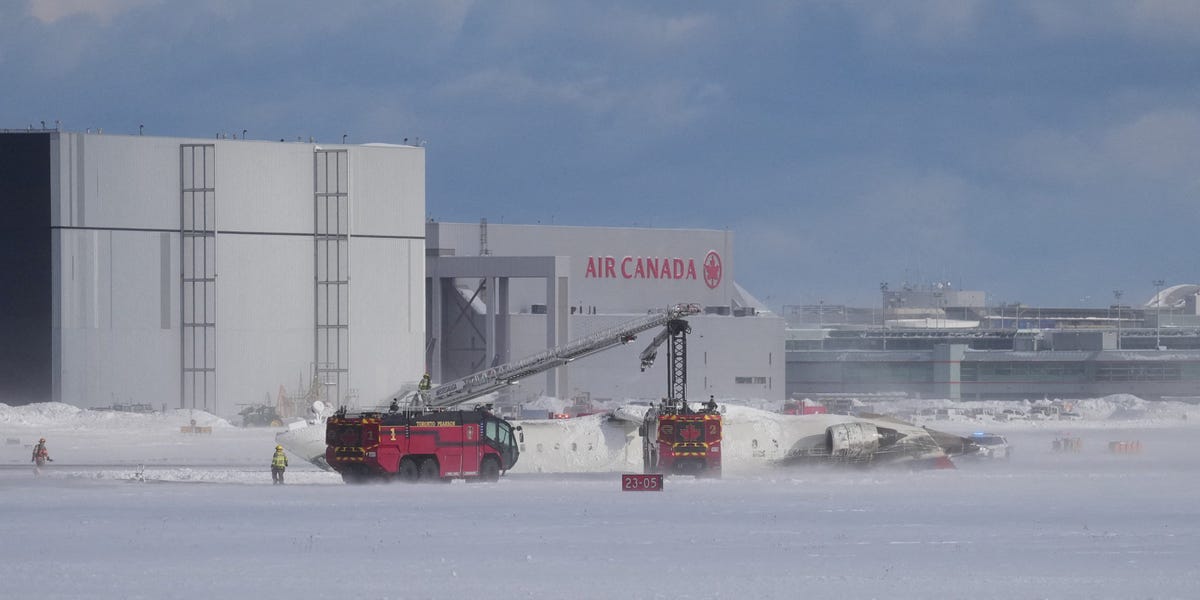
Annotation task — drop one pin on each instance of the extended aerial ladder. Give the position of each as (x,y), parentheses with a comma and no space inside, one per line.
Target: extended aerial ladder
(310,442)
(478,384)
(676,438)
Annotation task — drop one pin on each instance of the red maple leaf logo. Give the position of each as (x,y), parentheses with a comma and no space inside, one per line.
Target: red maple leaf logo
(712,269)
(690,433)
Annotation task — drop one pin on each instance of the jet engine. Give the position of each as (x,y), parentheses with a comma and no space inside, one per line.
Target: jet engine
(854,441)
(858,441)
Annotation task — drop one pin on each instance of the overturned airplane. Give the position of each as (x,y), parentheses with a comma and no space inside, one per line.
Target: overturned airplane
(753,439)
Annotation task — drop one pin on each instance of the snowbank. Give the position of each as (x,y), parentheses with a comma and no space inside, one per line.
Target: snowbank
(1113,411)
(77,436)
(64,416)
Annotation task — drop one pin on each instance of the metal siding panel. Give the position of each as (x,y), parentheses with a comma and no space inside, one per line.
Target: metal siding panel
(164,281)
(388,191)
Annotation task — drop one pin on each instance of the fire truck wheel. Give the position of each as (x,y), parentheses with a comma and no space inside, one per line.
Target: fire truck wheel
(408,473)
(430,471)
(353,476)
(489,469)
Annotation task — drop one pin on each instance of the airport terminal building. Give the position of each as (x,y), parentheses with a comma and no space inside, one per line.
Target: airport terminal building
(942,343)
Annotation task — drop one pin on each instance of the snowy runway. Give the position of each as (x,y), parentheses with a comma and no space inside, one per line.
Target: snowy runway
(207,523)
(1088,525)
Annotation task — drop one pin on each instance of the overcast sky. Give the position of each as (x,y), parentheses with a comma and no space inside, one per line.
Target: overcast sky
(1045,152)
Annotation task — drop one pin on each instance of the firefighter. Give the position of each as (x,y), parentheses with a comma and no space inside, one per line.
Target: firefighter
(423,389)
(41,456)
(278,464)
(395,406)
(711,405)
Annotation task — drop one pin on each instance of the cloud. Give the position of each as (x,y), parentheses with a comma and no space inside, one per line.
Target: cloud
(578,27)
(931,23)
(857,222)
(1151,20)
(656,104)
(51,11)
(1160,146)
(647,30)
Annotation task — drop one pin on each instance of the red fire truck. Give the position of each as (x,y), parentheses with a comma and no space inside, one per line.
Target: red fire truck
(675,437)
(412,446)
(682,441)
(426,441)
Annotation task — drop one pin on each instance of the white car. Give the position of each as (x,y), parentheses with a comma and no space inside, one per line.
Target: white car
(990,445)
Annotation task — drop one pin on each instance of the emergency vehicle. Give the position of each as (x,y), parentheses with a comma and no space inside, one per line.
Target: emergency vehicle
(425,440)
(682,441)
(411,446)
(677,438)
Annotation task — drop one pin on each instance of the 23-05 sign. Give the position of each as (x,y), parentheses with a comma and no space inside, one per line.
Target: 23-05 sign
(641,483)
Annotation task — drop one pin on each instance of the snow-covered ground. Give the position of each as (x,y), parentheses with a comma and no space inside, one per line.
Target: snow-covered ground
(207,523)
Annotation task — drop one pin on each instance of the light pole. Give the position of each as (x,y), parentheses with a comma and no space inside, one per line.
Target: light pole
(883,305)
(937,306)
(821,321)
(1158,284)
(1117,294)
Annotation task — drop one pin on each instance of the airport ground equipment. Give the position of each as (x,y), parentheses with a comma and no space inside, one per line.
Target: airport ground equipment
(421,439)
(430,445)
(677,438)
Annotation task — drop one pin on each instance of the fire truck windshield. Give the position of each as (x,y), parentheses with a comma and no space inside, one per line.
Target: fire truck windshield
(499,435)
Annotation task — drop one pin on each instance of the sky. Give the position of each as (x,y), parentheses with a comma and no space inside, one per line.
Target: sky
(1042,151)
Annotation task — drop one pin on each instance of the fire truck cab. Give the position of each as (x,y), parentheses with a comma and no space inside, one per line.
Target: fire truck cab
(411,446)
(678,440)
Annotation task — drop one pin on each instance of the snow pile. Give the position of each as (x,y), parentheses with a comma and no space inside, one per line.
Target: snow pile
(1116,406)
(64,416)
(549,404)
(1116,410)
(77,436)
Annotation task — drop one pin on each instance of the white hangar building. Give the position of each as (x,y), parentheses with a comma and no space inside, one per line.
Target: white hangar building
(498,293)
(207,273)
(211,273)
